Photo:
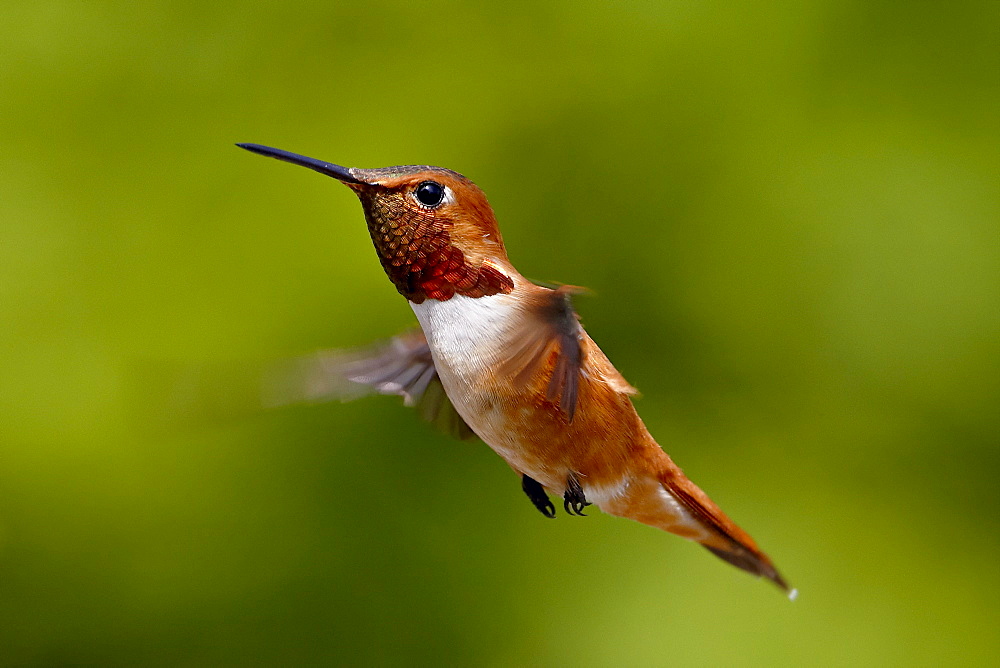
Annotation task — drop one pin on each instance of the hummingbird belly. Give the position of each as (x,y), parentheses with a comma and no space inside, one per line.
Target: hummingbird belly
(470,340)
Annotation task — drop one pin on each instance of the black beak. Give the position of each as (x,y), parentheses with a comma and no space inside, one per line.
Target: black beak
(342,174)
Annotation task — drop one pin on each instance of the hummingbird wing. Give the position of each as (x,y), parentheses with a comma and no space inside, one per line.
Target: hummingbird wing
(550,343)
(401,365)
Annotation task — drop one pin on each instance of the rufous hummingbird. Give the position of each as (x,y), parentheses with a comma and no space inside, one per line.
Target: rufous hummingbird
(505,359)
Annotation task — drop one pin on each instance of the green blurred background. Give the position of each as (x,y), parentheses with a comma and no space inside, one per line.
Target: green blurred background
(788,212)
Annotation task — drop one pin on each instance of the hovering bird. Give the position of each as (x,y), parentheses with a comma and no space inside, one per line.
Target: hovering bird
(502,358)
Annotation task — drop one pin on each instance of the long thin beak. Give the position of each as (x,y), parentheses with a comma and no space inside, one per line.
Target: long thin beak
(336,171)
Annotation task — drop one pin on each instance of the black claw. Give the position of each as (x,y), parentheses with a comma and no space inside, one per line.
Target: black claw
(538,497)
(574,500)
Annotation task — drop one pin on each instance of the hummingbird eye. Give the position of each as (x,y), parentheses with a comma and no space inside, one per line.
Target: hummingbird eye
(430,193)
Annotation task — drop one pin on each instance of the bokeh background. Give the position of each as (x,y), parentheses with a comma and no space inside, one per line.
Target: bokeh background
(788,213)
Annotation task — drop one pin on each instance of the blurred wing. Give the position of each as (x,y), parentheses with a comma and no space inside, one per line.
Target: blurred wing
(402,365)
(551,344)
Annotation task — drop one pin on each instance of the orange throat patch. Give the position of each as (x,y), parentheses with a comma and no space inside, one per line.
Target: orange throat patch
(417,254)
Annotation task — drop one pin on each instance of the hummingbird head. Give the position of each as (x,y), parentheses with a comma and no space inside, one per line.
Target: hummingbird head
(435,233)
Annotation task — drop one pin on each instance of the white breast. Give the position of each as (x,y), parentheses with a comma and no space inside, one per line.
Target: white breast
(467,337)
(466,334)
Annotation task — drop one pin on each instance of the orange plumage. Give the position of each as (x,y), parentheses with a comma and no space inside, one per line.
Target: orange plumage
(507,360)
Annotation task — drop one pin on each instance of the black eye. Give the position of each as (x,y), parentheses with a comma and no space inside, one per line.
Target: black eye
(430,193)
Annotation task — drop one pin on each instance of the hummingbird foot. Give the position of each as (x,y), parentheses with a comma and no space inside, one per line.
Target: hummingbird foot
(574,500)
(538,497)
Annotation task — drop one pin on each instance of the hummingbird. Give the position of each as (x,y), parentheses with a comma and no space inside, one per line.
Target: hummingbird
(502,358)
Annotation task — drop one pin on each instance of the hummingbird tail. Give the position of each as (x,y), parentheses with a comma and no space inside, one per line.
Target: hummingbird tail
(753,564)
(667,500)
(725,538)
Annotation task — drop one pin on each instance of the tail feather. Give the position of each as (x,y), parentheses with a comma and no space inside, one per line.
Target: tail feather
(669,501)
(750,563)
(727,540)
